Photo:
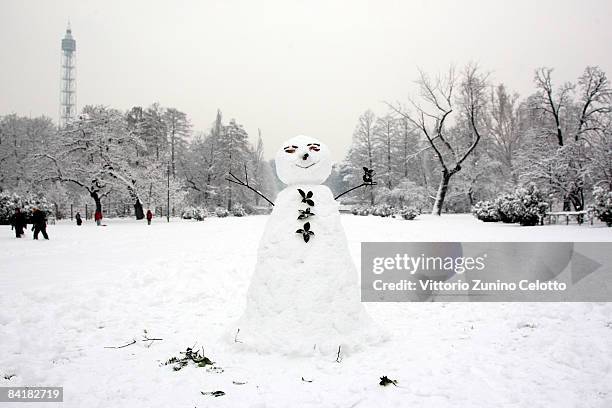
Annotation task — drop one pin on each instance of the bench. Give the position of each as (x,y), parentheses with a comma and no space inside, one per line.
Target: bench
(345,208)
(580,215)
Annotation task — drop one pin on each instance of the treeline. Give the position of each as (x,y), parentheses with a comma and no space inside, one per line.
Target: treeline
(461,139)
(133,157)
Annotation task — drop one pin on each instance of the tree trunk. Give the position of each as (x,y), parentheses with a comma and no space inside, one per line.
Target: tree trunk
(207,188)
(442,189)
(470,195)
(172,143)
(388,160)
(371,195)
(138,211)
(405,148)
(229,196)
(567,204)
(96,199)
(577,199)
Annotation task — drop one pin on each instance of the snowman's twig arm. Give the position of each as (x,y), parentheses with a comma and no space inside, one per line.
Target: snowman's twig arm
(355,188)
(236,180)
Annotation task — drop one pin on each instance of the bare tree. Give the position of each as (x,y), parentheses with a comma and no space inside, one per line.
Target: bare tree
(387,138)
(258,160)
(409,143)
(594,99)
(504,125)
(179,129)
(431,114)
(550,102)
(363,148)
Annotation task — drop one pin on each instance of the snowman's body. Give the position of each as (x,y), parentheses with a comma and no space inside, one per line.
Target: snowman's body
(304,295)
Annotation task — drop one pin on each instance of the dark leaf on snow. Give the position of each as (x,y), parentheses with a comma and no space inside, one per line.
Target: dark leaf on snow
(384,381)
(200,360)
(213,393)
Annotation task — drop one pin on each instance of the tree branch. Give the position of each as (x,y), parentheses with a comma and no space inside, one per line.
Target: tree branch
(355,188)
(236,180)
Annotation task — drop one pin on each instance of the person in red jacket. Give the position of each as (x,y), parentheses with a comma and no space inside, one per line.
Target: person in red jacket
(98,217)
(149,216)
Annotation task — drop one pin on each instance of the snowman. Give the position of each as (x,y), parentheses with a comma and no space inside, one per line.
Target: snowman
(304,294)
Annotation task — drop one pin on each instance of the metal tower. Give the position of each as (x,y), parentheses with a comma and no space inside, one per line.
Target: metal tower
(67,79)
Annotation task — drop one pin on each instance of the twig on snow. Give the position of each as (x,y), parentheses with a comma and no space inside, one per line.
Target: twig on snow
(145,338)
(338,358)
(125,345)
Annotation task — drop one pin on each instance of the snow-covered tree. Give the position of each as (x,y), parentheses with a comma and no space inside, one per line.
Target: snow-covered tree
(409,147)
(211,157)
(178,130)
(570,120)
(200,167)
(363,151)
(388,141)
(505,128)
(153,130)
(234,154)
(262,178)
(480,177)
(94,153)
(21,138)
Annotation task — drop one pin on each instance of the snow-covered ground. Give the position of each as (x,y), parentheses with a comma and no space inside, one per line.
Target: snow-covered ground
(63,301)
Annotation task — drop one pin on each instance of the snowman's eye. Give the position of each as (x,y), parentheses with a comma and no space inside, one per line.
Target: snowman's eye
(314,147)
(290,149)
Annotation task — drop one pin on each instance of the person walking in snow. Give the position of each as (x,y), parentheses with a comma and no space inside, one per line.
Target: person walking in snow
(79,221)
(98,218)
(149,216)
(39,221)
(18,223)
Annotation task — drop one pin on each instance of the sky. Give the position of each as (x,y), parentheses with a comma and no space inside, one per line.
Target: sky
(286,67)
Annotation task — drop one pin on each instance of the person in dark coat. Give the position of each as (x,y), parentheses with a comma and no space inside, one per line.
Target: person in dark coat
(149,216)
(39,219)
(78,219)
(18,223)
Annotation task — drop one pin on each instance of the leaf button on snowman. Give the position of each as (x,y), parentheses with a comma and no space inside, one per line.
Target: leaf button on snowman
(304,294)
(306,198)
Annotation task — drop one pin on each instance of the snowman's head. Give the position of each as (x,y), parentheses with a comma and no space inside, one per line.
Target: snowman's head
(303,160)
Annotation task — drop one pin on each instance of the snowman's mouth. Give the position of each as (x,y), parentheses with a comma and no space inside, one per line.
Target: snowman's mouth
(306,167)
